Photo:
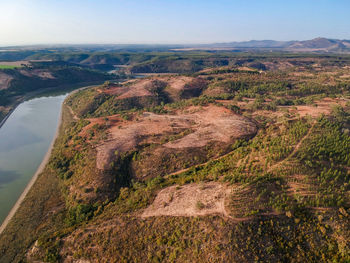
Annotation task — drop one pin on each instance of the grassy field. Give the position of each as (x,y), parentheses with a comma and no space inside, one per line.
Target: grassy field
(8,66)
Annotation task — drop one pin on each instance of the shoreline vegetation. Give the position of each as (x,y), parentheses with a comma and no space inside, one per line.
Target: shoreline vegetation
(130,158)
(46,158)
(22,229)
(33,94)
(39,170)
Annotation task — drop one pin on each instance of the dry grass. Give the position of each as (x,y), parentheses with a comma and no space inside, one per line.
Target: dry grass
(190,200)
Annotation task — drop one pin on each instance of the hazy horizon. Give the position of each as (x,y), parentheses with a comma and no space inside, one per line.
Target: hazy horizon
(151,44)
(35,22)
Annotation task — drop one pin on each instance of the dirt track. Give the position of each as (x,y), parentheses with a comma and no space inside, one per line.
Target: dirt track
(296,148)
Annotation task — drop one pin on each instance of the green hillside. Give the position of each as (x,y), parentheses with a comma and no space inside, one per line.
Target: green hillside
(222,162)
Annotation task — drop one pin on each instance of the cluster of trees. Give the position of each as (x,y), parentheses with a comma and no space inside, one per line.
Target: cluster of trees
(323,157)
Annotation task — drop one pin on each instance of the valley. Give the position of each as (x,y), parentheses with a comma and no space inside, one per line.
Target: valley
(239,161)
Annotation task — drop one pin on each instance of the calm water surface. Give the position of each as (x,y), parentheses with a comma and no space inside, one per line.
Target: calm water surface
(24,140)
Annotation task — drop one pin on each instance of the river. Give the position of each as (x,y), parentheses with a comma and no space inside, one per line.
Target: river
(25,138)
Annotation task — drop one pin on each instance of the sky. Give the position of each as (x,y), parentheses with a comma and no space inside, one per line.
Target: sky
(26,22)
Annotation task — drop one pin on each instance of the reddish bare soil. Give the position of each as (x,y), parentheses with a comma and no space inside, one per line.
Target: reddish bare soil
(324,106)
(37,73)
(345,76)
(4,80)
(208,124)
(141,88)
(137,89)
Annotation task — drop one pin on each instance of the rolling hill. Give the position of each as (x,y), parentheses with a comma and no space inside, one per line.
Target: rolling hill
(320,45)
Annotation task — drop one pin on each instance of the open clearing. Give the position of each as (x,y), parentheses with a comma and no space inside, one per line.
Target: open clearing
(190,200)
(207,124)
(143,88)
(323,106)
(5,80)
(14,64)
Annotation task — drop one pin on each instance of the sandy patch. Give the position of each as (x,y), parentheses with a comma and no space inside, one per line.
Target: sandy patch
(190,200)
(246,69)
(302,74)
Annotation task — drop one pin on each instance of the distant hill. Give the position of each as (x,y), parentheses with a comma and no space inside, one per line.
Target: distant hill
(321,45)
(90,55)
(255,44)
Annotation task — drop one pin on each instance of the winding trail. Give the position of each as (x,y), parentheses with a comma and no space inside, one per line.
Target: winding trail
(199,165)
(296,148)
(75,117)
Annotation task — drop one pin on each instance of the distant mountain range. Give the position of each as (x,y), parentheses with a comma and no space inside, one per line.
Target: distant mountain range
(316,45)
(321,45)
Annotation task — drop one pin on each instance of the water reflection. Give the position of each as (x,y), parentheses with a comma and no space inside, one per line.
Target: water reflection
(24,140)
(19,137)
(7,177)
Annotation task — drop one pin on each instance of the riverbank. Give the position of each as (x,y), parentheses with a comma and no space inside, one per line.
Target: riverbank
(34,178)
(33,94)
(2,122)
(41,167)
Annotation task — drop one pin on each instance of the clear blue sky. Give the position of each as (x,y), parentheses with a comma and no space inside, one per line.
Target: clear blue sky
(170,21)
